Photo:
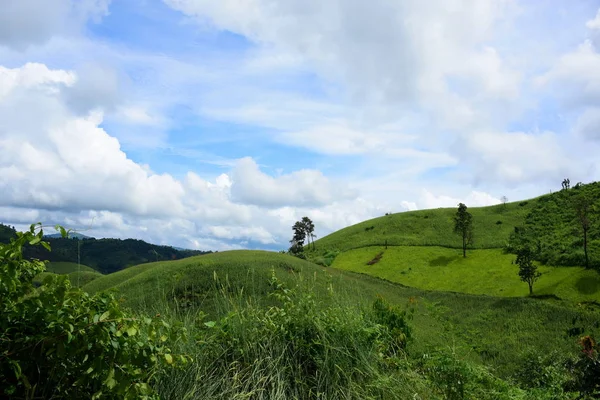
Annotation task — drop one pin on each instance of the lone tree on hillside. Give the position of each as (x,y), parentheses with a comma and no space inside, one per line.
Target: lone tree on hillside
(504,200)
(463,225)
(583,210)
(527,269)
(297,242)
(309,229)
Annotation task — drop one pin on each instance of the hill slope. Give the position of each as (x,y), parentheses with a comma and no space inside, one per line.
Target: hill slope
(492,226)
(474,323)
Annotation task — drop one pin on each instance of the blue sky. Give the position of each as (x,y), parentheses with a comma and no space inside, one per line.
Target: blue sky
(216,125)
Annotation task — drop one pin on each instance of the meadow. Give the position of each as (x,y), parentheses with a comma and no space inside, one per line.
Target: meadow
(486,271)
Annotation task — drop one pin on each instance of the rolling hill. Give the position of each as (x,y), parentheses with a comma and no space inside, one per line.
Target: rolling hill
(421,248)
(474,322)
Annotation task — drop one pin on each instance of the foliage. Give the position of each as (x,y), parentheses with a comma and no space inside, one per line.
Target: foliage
(554,227)
(309,230)
(527,269)
(103,255)
(297,243)
(487,271)
(463,226)
(543,371)
(60,342)
(586,369)
(299,347)
(426,228)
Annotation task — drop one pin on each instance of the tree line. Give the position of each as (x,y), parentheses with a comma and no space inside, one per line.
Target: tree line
(104,255)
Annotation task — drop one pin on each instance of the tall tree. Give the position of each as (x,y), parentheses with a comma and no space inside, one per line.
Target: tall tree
(583,210)
(309,229)
(463,226)
(297,242)
(504,200)
(527,269)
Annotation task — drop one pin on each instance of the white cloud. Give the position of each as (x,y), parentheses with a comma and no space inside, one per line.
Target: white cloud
(33,22)
(300,188)
(587,125)
(472,199)
(576,76)
(516,157)
(594,23)
(389,54)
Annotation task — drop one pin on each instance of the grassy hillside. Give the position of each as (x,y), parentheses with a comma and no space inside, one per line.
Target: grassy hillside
(191,279)
(488,271)
(554,230)
(79,279)
(492,227)
(473,323)
(63,267)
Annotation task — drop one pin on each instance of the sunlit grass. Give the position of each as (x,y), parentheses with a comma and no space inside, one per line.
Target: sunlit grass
(488,272)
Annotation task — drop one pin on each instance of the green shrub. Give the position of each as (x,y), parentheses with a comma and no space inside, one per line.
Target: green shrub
(59,342)
(298,348)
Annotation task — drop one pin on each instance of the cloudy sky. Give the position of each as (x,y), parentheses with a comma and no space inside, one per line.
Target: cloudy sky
(217,124)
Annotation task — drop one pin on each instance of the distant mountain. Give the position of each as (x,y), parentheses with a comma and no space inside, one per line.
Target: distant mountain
(103,255)
(72,235)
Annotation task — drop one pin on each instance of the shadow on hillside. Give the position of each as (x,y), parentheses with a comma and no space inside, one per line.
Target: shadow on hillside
(588,285)
(441,261)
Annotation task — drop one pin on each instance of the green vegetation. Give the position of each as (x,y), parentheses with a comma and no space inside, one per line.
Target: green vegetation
(490,272)
(429,228)
(555,227)
(402,314)
(58,342)
(61,267)
(463,226)
(102,255)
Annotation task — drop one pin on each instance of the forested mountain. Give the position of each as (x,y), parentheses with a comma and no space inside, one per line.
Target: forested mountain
(104,255)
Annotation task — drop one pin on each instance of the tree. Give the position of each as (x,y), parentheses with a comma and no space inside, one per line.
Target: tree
(504,200)
(527,269)
(463,225)
(583,207)
(309,228)
(297,242)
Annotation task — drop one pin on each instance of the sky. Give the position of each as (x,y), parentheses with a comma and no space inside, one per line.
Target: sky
(215,125)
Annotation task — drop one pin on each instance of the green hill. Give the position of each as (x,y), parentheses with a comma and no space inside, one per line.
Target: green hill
(421,245)
(492,225)
(474,322)
(62,267)
(486,271)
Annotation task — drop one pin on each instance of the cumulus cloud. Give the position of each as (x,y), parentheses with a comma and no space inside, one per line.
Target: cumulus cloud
(594,23)
(63,167)
(575,76)
(472,199)
(31,22)
(96,87)
(386,54)
(516,157)
(587,124)
(300,188)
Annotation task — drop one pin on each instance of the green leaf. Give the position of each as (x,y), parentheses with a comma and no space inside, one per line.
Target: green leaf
(169,358)
(131,331)
(104,316)
(210,324)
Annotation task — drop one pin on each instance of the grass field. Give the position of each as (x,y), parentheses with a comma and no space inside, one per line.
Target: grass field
(487,271)
(492,227)
(60,267)
(471,323)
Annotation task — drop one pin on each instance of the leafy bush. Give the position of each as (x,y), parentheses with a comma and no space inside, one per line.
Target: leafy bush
(586,369)
(546,372)
(60,342)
